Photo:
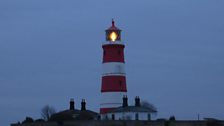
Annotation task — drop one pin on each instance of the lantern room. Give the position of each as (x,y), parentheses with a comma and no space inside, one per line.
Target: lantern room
(113,33)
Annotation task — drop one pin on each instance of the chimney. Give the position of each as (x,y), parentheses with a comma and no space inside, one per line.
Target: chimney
(72,104)
(137,101)
(83,105)
(125,101)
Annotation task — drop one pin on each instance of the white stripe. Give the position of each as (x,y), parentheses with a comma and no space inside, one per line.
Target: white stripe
(111,99)
(113,75)
(111,43)
(113,68)
(110,105)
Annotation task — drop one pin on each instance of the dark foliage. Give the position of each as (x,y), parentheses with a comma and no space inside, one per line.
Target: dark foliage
(40,120)
(47,111)
(28,120)
(214,123)
(172,118)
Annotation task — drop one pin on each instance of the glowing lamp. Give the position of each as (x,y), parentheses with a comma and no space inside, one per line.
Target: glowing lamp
(113,36)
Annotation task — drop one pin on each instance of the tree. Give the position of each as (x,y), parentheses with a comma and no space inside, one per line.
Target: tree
(47,111)
(148,105)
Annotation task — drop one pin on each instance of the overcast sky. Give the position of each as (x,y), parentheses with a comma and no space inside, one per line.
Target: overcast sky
(50,51)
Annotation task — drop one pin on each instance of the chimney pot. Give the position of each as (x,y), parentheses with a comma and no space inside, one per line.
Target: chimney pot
(137,101)
(72,104)
(125,101)
(83,105)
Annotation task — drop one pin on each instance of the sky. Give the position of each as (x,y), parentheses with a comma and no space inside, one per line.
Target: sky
(50,51)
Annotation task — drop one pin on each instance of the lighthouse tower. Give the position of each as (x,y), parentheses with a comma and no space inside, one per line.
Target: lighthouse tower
(113,86)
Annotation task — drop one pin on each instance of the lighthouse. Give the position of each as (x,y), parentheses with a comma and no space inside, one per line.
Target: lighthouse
(113,86)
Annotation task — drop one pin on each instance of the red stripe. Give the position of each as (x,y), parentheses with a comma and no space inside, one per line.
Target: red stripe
(113,84)
(113,53)
(105,110)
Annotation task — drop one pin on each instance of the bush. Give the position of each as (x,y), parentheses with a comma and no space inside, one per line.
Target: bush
(28,120)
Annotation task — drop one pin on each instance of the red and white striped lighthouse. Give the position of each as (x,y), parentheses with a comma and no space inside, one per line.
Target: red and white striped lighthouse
(113,86)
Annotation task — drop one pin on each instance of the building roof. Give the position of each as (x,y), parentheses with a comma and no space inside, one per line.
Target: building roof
(133,109)
(74,115)
(113,27)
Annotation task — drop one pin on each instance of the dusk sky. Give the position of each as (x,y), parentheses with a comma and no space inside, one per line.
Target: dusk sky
(50,51)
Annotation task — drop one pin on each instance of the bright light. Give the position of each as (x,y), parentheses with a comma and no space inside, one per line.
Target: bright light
(113,36)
